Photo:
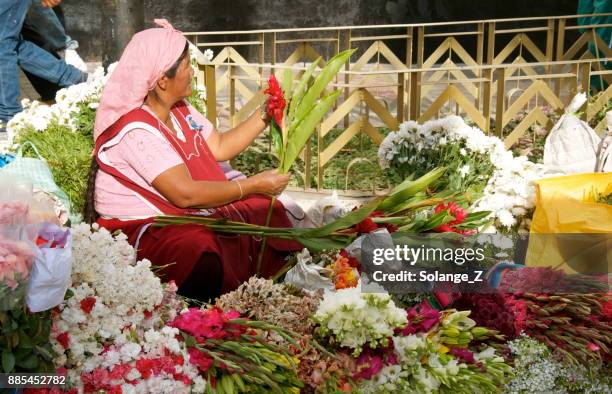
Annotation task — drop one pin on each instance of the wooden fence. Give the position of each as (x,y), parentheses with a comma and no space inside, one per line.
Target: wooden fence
(488,71)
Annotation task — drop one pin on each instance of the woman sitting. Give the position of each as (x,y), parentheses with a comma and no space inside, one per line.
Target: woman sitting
(155,155)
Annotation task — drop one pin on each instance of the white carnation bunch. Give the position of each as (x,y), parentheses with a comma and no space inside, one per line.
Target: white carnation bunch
(353,319)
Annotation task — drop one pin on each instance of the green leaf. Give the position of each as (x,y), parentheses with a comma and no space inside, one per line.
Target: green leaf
(436,220)
(30,362)
(47,355)
(349,220)
(298,93)
(287,83)
(318,244)
(476,216)
(24,340)
(408,189)
(322,80)
(300,135)
(277,138)
(8,361)
(404,183)
(189,340)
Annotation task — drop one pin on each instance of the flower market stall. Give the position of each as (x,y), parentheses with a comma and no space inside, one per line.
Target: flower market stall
(317,326)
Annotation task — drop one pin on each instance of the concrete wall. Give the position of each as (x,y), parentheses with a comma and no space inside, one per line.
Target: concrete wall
(83,17)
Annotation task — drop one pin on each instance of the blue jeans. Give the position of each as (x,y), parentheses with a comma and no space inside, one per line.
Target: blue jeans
(14,52)
(47,25)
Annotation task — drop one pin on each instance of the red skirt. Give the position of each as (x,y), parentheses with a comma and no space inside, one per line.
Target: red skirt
(182,246)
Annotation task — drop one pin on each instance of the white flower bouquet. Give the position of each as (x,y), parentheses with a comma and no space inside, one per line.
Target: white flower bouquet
(352,319)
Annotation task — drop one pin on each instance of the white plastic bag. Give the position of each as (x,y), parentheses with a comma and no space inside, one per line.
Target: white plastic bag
(307,275)
(327,209)
(50,276)
(572,145)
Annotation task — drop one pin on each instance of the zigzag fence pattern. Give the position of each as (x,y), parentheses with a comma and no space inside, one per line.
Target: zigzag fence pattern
(488,71)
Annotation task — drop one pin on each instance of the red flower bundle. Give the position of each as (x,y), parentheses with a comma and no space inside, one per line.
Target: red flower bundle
(576,325)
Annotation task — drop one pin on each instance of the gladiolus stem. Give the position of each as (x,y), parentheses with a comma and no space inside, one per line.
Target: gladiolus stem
(264,241)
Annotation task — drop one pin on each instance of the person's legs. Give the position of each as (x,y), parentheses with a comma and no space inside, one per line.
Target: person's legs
(47,90)
(12,14)
(47,25)
(39,62)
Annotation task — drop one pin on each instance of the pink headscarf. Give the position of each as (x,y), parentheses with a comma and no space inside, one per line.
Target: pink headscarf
(147,56)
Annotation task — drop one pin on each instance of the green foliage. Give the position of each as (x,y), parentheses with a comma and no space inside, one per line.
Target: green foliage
(309,110)
(594,121)
(197,101)
(24,341)
(68,154)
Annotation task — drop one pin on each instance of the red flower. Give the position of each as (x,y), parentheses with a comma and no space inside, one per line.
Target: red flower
(115,390)
(368,365)
(463,354)
(458,213)
(444,298)
(120,371)
(421,318)
(276,101)
(352,261)
(606,309)
(592,347)
(208,324)
(148,314)
(183,378)
(63,339)
(199,359)
(87,304)
(145,367)
(366,226)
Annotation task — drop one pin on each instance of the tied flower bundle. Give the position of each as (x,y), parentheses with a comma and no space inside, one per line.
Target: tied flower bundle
(111,335)
(291,309)
(510,194)
(352,319)
(576,325)
(234,355)
(16,259)
(478,164)
(16,255)
(410,207)
(420,358)
(274,303)
(538,370)
(345,270)
(296,112)
(394,209)
(468,153)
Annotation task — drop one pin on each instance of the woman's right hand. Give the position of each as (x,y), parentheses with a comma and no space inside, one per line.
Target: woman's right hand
(270,182)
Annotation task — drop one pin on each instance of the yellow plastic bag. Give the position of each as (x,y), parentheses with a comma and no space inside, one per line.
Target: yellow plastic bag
(569,229)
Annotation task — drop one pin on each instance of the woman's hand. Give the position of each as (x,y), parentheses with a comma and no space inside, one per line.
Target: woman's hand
(50,3)
(270,182)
